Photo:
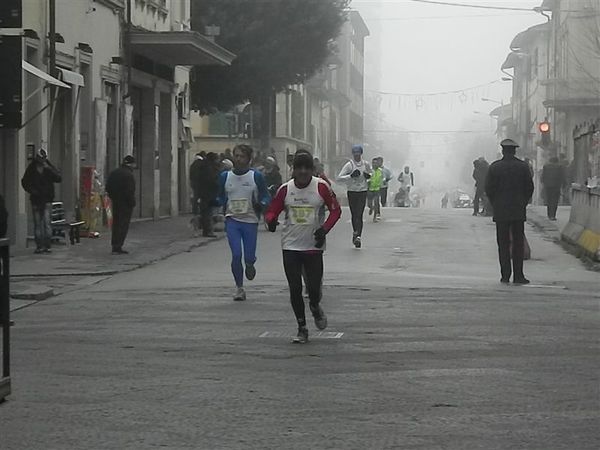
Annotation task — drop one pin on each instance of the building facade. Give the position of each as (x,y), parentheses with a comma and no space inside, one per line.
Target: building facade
(120,87)
(556,79)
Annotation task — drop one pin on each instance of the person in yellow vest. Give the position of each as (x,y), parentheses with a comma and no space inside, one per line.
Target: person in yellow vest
(375,183)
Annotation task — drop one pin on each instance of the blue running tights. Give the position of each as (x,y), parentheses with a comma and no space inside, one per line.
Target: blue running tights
(241,234)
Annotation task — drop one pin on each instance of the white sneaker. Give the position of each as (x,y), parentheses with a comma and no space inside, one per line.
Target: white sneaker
(240,295)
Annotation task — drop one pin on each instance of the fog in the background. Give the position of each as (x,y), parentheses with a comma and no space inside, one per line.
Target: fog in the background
(423,49)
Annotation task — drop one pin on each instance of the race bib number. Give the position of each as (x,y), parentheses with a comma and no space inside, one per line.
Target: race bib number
(239,206)
(302,215)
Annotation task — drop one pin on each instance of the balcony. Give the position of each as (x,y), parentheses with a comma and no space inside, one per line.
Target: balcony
(572,93)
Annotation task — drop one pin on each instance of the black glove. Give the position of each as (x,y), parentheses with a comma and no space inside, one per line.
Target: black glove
(366,175)
(272,226)
(320,237)
(355,174)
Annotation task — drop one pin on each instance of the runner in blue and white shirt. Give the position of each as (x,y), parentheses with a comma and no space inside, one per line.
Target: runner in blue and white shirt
(244,195)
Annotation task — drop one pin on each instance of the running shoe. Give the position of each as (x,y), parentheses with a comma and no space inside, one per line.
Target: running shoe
(38,251)
(521,281)
(240,295)
(302,336)
(319,316)
(370,211)
(250,271)
(357,242)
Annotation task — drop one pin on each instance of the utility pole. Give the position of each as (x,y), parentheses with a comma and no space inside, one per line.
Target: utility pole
(52,37)
(51,60)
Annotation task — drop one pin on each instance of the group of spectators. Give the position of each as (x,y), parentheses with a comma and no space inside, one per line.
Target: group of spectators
(204,181)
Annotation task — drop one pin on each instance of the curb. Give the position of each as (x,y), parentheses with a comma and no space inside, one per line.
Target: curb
(551,231)
(140,265)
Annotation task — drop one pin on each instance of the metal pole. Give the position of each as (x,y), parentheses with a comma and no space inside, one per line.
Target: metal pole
(51,60)
(5,306)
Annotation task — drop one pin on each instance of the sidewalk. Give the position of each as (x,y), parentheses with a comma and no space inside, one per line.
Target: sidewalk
(91,260)
(537,216)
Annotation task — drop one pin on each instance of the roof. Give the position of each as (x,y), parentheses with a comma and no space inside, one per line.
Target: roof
(359,24)
(524,37)
(512,60)
(502,111)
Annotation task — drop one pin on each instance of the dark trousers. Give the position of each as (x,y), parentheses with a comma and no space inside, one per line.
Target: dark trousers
(120,225)
(205,211)
(42,224)
(504,231)
(373,198)
(294,264)
(383,193)
(357,202)
(552,197)
(479,196)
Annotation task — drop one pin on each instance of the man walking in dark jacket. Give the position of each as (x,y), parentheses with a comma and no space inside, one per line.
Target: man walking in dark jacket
(205,183)
(553,180)
(38,182)
(509,188)
(120,187)
(480,170)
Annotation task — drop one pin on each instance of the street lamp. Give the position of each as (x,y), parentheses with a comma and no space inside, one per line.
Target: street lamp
(492,101)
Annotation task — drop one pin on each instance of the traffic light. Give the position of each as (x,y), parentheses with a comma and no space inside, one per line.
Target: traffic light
(544,128)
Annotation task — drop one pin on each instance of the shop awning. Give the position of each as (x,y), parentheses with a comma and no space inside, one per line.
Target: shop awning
(43,75)
(180,48)
(74,78)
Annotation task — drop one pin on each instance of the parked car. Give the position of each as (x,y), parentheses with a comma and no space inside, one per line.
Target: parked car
(461,199)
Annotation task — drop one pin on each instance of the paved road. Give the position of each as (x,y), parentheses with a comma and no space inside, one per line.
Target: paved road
(435,353)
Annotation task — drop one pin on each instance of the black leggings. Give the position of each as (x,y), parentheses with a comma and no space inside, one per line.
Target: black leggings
(312,263)
(357,202)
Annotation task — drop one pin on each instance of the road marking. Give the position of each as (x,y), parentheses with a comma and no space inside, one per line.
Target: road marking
(317,335)
(544,286)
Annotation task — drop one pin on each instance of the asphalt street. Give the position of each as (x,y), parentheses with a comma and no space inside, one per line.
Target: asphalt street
(425,350)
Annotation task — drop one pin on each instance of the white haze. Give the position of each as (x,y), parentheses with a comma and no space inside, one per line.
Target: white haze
(423,48)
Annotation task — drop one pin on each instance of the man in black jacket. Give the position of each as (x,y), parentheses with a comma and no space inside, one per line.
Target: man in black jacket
(553,179)
(38,182)
(480,170)
(205,183)
(120,187)
(509,188)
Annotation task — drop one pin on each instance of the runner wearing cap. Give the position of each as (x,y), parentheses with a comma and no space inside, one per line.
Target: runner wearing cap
(303,236)
(355,174)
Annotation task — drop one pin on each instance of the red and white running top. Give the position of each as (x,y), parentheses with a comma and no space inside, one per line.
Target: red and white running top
(302,213)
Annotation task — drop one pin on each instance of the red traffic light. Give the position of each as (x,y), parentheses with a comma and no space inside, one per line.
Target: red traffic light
(544,127)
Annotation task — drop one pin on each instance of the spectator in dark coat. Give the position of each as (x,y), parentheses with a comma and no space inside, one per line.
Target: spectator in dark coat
(509,187)
(205,183)
(3,218)
(38,182)
(195,169)
(272,175)
(480,170)
(553,179)
(120,187)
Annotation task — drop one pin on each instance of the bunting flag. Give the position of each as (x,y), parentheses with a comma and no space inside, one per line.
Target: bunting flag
(428,101)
